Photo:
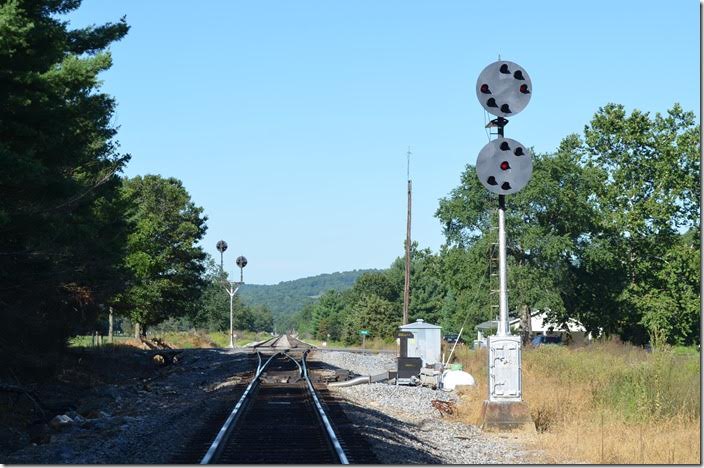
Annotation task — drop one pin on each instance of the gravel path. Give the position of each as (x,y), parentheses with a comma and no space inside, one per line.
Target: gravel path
(403,427)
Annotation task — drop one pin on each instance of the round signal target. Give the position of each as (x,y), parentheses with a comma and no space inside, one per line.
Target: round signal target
(504,88)
(504,166)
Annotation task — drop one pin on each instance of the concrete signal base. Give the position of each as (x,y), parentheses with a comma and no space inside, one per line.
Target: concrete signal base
(503,416)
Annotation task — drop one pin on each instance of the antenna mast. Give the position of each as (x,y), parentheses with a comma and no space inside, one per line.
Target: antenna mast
(407,283)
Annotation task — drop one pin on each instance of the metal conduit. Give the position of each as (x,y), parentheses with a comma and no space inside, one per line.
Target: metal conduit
(365,379)
(229,424)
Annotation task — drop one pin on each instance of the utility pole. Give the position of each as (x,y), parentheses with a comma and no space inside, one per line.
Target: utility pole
(407,282)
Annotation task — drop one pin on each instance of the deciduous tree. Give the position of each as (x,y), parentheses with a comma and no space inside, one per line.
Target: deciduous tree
(163,255)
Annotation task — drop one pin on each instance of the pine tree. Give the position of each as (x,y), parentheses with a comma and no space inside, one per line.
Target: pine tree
(61,231)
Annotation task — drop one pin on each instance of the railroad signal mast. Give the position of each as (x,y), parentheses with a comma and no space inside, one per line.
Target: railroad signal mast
(231,287)
(504,167)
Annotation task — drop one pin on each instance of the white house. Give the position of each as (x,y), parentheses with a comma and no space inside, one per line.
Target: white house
(539,325)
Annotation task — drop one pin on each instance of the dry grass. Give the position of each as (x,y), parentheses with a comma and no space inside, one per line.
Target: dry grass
(672,440)
(606,403)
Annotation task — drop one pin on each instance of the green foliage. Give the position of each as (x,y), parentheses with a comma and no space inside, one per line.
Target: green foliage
(290,297)
(60,216)
(544,235)
(327,317)
(597,233)
(213,310)
(375,284)
(672,309)
(163,255)
(373,313)
(605,232)
(301,321)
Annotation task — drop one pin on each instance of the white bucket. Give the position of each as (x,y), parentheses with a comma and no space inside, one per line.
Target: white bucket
(452,378)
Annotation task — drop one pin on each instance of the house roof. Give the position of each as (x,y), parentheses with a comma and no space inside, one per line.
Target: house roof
(419,324)
(491,324)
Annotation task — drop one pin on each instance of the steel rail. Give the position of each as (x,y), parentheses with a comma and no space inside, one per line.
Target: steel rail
(259,361)
(300,369)
(326,422)
(225,430)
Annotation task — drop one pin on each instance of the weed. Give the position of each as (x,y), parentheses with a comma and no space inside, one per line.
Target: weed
(605,403)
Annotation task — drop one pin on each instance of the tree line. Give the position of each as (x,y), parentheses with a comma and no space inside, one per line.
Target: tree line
(606,232)
(78,240)
(288,297)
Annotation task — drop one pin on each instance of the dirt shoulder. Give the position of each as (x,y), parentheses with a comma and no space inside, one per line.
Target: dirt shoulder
(118,406)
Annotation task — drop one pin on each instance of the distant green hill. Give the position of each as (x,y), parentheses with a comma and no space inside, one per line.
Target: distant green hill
(288,297)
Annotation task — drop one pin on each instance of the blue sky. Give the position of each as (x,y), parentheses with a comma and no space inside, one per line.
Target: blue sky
(289,121)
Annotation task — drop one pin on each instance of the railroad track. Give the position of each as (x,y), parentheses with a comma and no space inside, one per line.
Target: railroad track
(279,420)
(282,343)
(279,417)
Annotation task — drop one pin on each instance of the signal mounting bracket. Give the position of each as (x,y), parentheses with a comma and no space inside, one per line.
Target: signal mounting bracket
(497,122)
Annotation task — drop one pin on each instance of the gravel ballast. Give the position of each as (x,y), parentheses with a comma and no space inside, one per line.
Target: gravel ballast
(402,426)
(357,363)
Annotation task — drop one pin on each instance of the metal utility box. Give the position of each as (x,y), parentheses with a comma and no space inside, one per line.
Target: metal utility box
(425,343)
(505,368)
(408,367)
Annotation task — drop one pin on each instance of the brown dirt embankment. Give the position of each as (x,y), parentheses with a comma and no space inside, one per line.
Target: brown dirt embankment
(122,404)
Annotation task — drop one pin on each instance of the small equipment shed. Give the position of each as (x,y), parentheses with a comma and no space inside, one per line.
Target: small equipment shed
(425,343)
